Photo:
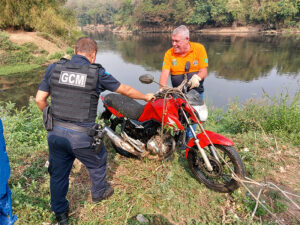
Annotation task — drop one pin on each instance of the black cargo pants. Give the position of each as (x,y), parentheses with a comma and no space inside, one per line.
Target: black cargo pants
(64,146)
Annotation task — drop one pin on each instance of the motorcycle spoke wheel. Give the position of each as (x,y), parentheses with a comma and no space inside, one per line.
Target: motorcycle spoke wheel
(220,179)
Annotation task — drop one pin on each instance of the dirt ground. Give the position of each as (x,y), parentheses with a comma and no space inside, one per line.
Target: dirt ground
(21,37)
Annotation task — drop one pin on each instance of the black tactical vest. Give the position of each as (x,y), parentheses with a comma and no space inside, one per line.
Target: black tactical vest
(73,91)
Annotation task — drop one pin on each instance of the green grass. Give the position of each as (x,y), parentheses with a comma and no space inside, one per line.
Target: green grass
(26,57)
(19,58)
(164,192)
(13,69)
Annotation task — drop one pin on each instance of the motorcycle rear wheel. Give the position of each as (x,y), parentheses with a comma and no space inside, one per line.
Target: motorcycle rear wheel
(220,178)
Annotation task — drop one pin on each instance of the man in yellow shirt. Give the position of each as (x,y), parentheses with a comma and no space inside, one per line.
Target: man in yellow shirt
(176,57)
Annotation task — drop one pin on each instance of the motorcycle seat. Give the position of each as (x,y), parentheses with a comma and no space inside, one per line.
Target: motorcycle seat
(125,105)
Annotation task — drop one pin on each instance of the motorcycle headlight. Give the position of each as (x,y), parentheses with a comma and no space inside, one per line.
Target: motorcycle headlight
(201,111)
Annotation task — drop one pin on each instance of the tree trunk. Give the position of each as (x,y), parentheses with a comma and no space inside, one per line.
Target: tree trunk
(234,24)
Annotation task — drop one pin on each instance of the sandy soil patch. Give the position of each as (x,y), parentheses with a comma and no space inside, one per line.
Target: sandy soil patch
(21,37)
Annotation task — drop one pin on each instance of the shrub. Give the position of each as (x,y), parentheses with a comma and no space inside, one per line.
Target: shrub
(5,43)
(70,51)
(56,55)
(46,36)
(39,60)
(29,46)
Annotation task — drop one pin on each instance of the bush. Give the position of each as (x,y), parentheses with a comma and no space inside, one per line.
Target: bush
(39,60)
(46,36)
(31,47)
(16,57)
(17,54)
(56,55)
(5,43)
(44,52)
(70,51)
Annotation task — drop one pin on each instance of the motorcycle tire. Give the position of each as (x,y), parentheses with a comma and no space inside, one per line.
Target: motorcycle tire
(227,185)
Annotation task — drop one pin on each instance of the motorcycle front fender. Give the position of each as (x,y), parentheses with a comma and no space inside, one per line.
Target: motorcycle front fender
(215,138)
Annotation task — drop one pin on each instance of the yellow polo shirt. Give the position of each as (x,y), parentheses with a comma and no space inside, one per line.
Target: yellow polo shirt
(196,56)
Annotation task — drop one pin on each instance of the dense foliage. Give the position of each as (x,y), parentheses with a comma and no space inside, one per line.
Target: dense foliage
(42,15)
(270,13)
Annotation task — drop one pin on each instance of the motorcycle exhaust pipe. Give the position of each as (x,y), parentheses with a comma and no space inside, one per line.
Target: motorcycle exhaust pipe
(119,142)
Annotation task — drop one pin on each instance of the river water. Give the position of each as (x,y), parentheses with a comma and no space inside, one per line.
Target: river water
(240,67)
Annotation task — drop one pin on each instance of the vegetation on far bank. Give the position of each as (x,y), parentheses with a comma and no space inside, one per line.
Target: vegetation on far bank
(35,15)
(266,135)
(50,19)
(16,58)
(269,14)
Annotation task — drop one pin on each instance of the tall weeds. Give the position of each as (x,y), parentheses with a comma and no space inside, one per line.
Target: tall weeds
(279,116)
(23,128)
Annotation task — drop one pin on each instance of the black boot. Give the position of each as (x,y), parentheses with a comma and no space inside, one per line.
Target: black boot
(107,193)
(62,218)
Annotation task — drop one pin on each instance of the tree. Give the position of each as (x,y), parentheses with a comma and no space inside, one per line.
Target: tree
(219,12)
(43,15)
(280,12)
(237,11)
(201,13)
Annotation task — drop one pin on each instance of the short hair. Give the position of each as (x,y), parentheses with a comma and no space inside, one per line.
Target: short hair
(182,29)
(86,45)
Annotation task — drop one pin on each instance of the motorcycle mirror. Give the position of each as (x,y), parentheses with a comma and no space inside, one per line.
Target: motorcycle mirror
(146,79)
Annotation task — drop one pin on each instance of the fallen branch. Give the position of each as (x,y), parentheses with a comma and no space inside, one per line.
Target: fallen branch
(256,205)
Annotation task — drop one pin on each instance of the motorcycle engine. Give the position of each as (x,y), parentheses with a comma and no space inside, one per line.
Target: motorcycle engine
(157,147)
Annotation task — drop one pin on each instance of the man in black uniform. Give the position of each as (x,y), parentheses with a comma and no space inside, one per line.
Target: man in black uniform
(75,86)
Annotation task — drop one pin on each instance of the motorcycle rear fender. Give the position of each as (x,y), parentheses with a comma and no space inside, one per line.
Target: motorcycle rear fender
(215,138)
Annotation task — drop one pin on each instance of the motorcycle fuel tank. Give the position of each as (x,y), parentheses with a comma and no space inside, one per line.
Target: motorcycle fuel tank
(154,111)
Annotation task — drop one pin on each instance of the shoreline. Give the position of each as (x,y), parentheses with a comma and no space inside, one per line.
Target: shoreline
(193,29)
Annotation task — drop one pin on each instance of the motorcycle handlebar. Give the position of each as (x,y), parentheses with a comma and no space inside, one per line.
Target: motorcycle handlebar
(172,91)
(183,86)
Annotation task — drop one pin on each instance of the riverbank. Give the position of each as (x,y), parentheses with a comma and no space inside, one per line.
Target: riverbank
(194,29)
(266,135)
(25,51)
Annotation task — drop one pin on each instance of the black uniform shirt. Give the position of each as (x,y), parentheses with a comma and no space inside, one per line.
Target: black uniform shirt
(105,80)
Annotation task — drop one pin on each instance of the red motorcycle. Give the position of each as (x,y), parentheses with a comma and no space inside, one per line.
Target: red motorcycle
(154,129)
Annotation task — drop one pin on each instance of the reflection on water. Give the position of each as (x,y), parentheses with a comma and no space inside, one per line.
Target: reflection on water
(242,67)
(18,88)
(231,57)
(238,66)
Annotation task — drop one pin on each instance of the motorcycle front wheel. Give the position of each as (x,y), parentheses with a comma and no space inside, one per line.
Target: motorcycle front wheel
(220,179)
